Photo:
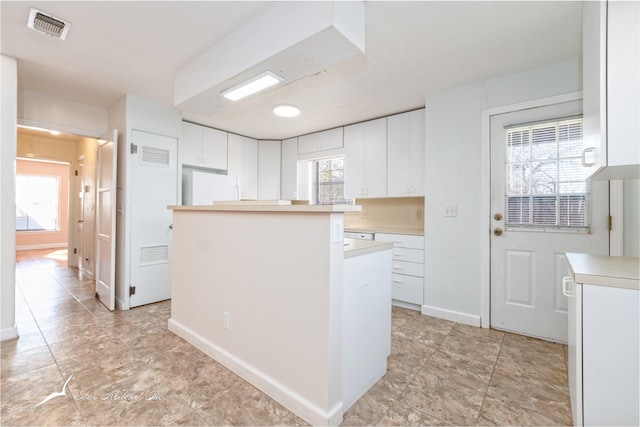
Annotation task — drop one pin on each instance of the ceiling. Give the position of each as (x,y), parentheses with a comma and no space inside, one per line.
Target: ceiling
(412,49)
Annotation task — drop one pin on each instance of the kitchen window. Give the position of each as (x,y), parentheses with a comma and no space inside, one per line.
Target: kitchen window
(545,187)
(328,181)
(37,202)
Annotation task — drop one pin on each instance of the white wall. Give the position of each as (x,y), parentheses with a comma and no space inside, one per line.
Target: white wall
(453,174)
(8,138)
(43,111)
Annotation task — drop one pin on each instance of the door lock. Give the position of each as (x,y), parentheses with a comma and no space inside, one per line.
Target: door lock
(497,217)
(497,231)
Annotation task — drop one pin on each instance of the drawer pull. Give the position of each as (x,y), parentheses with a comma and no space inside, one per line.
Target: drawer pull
(397,241)
(565,289)
(397,254)
(397,267)
(397,281)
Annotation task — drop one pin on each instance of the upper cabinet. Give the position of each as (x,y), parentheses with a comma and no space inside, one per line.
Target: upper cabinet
(611,66)
(405,154)
(203,146)
(269,170)
(320,141)
(365,161)
(243,163)
(289,169)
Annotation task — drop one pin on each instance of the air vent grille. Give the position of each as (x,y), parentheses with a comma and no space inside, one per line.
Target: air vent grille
(47,24)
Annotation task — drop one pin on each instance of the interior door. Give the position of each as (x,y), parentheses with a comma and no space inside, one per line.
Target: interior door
(75,256)
(106,220)
(154,186)
(538,197)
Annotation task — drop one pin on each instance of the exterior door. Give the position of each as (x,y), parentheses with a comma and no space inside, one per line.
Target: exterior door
(106,220)
(154,186)
(541,208)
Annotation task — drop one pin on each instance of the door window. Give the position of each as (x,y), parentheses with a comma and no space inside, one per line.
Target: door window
(545,188)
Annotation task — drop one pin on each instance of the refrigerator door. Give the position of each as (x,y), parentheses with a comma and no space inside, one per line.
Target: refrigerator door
(204,188)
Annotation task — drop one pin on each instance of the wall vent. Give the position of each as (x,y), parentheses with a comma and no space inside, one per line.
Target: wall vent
(47,24)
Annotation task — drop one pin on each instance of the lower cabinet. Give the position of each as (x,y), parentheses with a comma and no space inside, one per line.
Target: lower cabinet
(603,355)
(407,282)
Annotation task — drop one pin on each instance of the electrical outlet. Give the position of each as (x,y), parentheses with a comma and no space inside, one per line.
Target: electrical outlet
(363,214)
(451,211)
(227,320)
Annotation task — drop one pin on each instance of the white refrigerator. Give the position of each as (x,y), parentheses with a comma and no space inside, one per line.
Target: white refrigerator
(203,188)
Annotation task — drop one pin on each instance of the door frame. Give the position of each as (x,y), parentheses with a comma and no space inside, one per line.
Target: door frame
(485,259)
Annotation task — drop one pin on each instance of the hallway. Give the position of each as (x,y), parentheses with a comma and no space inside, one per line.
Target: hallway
(126,368)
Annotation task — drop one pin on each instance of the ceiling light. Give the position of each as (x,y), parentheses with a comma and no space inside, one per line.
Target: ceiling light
(286,111)
(54,132)
(254,85)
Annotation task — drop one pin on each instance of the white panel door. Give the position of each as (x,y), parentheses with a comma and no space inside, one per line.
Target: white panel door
(106,220)
(153,186)
(528,261)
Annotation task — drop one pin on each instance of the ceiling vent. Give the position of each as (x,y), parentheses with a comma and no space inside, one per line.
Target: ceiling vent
(47,24)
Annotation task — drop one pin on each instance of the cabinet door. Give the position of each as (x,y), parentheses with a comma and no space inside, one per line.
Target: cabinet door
(191,144)
(214,148)
(354,161)
(269,170)
(250,168)
(375,158)
(398,155)
(623,84)
(235,160)
(416,153)
(289,169)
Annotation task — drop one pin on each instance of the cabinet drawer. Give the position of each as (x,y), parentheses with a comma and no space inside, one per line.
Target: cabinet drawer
(407,288)
(410,255)
(402,240)
(410,268)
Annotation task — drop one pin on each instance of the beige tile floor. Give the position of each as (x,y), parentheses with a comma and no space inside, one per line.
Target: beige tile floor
(128,369)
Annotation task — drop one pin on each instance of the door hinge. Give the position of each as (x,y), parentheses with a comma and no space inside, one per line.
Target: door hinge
(75,251)
(97,295)
(610,223)
(134,148)
(132,290)
(76,173)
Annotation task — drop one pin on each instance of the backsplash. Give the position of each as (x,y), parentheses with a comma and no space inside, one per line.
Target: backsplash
(396,212)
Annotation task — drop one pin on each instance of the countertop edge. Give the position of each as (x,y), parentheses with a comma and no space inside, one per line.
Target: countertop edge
(268,208)
(356,247)
(384,230)
(604,270)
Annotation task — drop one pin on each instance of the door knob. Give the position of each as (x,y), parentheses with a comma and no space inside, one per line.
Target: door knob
(497,231)
(497,217)
(170,226)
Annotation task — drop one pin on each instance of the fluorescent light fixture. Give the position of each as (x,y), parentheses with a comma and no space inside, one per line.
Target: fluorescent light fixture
(253,85)
(286,111)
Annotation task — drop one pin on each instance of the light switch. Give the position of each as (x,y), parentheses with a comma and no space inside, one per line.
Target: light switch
(451,211)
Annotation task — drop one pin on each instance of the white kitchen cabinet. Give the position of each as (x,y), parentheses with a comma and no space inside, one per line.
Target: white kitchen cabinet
(604,308)
(204,146)
(325,140)
(365,159)
(405,154)
(289,169)
(269,170)
(407,282)
(243,163)
(611,89)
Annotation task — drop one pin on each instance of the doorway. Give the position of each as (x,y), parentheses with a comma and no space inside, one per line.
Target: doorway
(540,208)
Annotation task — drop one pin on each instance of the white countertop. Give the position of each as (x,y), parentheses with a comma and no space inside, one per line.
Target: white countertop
(356,247)
(263,206)
(386,230)
(602,270)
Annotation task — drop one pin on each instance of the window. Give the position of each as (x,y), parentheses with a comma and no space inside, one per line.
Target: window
(328,181)
(545,188)
(36,202)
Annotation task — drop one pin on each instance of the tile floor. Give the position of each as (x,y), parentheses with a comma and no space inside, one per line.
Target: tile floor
(126,368)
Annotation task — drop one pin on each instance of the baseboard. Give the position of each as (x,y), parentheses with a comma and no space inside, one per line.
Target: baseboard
(42,246)
(407,305)
(277,391)
(454,316)
(9,333)
(119,304)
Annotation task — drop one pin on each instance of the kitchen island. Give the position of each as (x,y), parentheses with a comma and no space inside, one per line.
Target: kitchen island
(276,294)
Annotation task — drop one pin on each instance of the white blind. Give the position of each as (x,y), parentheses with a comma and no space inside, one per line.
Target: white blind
(545,188)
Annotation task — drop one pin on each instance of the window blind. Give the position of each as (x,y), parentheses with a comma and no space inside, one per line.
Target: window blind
(545,188)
